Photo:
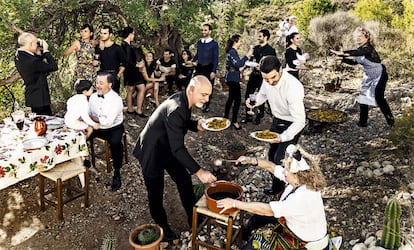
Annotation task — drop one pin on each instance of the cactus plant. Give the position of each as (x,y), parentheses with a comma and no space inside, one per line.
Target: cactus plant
(148,235)
(391,238)
(109,242)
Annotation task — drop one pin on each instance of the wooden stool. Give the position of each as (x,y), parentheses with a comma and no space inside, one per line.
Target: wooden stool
(108,151)
(59,174)
(224,220)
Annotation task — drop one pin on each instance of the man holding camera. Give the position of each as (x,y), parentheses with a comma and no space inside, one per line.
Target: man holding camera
(34,61)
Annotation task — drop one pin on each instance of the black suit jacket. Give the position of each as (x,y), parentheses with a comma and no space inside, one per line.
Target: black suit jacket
(161,142)
(33,70)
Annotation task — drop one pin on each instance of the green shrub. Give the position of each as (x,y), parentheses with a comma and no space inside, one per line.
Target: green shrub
(308,9)
(332,31)
(282,2)
(405,21)
(402,134)
(374,10)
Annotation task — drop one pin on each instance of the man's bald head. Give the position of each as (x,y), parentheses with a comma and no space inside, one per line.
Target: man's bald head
(198,91)
(27,41)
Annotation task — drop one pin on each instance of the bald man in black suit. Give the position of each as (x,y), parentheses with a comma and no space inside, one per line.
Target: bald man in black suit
(161,147)
(33,65)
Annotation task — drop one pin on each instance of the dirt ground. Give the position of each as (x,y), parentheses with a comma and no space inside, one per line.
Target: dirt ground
(354,204)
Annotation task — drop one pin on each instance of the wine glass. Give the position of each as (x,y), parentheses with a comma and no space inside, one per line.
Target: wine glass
(252,101)
(18,118)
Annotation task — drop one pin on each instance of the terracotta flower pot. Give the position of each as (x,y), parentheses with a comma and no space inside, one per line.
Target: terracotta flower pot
(151,246)
(219,190)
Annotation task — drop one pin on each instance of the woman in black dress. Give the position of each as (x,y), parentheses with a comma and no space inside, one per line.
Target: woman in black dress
(185,70)
(293,55)
(132,77)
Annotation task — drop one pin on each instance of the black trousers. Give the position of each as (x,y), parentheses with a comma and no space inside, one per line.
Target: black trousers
(44,110)
(155,189)
(234,96)
(170,83)
(206,70)
(277,150)
(379,97)
(114,137)
(254,84)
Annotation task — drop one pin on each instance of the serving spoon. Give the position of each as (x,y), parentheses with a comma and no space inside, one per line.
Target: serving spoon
(219,162)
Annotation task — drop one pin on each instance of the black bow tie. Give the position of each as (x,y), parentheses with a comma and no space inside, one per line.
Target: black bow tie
(101,96)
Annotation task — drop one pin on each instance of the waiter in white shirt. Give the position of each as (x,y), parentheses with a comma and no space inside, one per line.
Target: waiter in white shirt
(285,96)
(105,107)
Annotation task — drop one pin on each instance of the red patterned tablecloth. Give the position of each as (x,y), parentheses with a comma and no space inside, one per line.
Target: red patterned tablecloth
(23,155)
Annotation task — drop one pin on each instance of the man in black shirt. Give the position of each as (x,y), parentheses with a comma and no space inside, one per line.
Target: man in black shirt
(255,79)
(111,55)
(168,68)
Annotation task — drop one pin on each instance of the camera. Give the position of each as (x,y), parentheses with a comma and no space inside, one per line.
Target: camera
(40,44)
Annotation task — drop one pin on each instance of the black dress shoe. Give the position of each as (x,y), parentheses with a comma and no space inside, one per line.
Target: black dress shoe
(142,115)
(87,163)
(361,124)
(169,235)
(131,112)
(391,122)
(116,183)
(236,126)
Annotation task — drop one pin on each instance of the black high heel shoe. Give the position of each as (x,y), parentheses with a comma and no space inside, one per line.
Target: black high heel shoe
(236,126)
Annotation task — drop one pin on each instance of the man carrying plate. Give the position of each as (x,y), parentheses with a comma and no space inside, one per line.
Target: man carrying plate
(161,147)
(285,96)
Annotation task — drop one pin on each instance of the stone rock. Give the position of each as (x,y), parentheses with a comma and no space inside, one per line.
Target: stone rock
(378,172)
(411,186)
(388,169)
(385,163)
(353,242)
(369,240)
(376,164)
(360,170)
(406,196)
(406,247)
(359,246)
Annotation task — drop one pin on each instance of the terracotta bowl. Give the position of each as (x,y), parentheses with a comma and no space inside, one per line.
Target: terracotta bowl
(220,190)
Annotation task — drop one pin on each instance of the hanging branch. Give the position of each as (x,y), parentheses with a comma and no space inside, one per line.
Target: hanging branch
(12,26)
(13,77)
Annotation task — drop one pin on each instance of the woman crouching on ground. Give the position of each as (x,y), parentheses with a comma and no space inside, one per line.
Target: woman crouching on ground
(299,215)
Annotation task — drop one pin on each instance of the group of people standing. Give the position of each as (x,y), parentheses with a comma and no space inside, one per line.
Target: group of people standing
(296,182)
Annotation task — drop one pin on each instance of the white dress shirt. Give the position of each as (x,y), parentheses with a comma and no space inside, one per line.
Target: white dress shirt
(206,40)
(286,103)
(303,210)
(108,109)
(77,114)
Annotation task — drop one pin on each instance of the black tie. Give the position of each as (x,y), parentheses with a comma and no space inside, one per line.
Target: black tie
(101,96)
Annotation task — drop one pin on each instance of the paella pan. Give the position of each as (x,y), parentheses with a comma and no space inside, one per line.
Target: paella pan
(326,116)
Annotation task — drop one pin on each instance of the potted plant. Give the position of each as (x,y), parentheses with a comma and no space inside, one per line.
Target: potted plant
(146,237)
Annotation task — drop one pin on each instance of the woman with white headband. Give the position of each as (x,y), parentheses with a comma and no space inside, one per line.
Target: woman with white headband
(298,215)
